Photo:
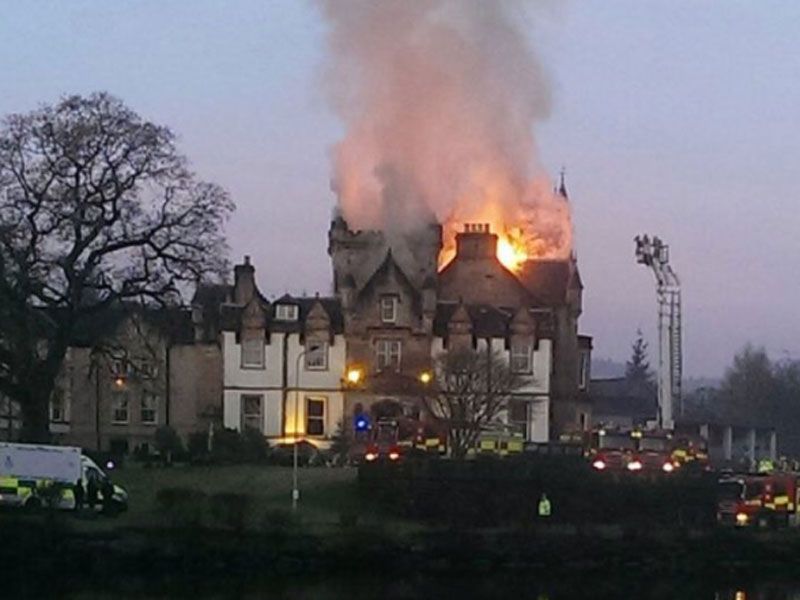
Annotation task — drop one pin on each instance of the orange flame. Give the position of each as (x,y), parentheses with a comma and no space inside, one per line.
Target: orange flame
(512,253)
(525,231)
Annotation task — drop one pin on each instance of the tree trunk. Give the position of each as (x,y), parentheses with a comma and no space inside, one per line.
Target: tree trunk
(35,415)
(458,447)
(35,403)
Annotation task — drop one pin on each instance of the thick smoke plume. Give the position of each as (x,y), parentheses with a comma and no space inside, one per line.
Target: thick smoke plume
(439,99)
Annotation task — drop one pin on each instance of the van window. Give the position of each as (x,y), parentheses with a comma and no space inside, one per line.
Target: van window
(94,473)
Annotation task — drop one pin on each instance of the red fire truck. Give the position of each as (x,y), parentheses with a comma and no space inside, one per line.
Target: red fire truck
(391,440)
(636,451)
(759,500)
(612,450)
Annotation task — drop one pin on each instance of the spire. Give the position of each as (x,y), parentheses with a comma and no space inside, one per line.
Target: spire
(562,185)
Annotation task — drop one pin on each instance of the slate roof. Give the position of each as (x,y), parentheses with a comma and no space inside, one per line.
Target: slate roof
(231,314)
(486,277)
(382,271)
(211,295)
(209,298)
(487,320)
(549,280)
(305,304)
(175,323)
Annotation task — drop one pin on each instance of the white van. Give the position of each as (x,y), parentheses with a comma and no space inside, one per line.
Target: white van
(28,470)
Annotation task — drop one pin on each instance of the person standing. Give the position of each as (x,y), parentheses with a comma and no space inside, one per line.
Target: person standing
(77,491)
(108,496)
(545,508)
(91,490)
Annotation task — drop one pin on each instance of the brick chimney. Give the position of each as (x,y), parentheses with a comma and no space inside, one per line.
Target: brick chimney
(244,282)
(476,241)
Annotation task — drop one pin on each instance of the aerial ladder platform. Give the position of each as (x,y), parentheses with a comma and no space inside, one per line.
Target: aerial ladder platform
(654,253)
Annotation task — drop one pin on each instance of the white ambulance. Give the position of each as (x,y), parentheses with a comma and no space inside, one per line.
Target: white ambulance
(28,470)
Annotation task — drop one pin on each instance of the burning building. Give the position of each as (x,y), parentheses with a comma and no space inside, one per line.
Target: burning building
(448,230)
(400,310)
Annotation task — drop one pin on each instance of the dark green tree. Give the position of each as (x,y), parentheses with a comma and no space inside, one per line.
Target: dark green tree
(341,443)
(637,369)
(749,387)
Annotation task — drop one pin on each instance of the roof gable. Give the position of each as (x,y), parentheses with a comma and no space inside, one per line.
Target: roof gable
(389,269)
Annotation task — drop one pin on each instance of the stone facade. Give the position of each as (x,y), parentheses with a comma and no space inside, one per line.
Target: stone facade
(136,371)
(395,303)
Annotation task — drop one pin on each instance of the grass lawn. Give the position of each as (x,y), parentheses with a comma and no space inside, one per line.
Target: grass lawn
(325,494)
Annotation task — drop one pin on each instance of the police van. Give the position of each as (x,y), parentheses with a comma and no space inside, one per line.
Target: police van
(28,472)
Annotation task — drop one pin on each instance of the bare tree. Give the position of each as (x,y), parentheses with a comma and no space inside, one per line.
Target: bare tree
(97,208)
(469,393)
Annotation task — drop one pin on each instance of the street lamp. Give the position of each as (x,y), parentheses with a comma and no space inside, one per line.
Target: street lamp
(354,375)
(295,488)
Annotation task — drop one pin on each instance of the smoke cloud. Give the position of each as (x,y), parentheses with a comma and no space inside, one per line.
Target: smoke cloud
(439,99)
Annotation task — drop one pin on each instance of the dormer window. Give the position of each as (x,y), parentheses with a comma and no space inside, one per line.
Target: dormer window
(286,312)
(389,309)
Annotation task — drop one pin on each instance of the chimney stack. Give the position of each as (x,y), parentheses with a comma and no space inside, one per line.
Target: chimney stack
(244,284)
(476,241)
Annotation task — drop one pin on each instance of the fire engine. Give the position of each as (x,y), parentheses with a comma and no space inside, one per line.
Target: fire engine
(611,450)
(767,499)
(391,440)
(635,451)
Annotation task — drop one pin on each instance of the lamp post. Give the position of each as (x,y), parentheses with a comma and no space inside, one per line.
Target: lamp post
(295,488)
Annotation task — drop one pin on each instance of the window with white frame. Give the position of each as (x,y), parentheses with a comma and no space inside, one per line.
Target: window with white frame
(521,357)
(389,309)
(149,411)
(286,312)
(253,353)
(119,406)
(388,355)
(316,356)
(315,416)
(252,412)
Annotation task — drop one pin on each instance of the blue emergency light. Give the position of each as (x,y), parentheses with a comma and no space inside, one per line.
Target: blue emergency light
(362,423)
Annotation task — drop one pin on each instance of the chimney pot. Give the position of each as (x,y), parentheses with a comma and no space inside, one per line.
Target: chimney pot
(476,241)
